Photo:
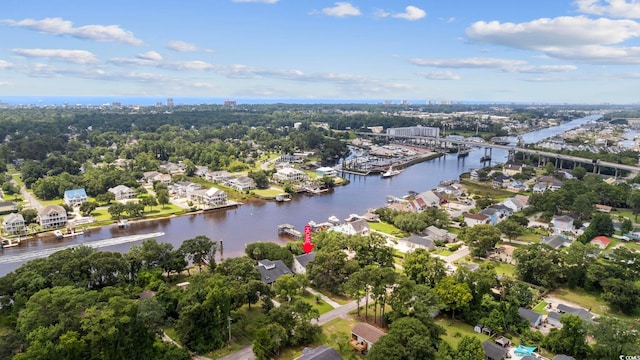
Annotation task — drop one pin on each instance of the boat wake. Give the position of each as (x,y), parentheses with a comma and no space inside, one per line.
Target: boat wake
(92,244)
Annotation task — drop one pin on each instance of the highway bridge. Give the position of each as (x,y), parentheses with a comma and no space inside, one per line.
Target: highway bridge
(446,142)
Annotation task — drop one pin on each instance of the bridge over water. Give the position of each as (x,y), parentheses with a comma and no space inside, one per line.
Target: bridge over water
(559,158)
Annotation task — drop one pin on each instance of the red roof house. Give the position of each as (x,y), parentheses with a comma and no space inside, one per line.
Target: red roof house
(601,241)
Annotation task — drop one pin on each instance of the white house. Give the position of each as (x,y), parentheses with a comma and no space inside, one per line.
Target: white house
(210,197)
(123,192)
(300,262)
(475,219)
(242,183)
(52,216)
(13,223)
(289,174)
(75,197)
(326,171)
(562,223)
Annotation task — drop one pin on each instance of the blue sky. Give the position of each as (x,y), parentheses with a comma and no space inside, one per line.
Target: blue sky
(582,51)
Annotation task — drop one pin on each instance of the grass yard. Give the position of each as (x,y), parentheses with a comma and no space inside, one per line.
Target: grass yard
(386,228)
(241,331)
(541,308)
(503,268)
(443,252)
(586,300)
(267,193)
(478,188)
(321,306)
(530,238)
(632,245)
(456,329)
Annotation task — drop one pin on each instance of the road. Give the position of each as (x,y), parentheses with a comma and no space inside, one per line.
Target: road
(33,202)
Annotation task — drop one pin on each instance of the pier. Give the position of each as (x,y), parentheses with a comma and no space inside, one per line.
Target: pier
(290,231)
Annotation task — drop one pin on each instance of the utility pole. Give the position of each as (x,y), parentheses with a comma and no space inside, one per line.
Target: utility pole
(229,326)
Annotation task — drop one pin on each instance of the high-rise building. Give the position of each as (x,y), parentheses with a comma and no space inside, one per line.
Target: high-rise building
(169,102)
(230,103)
(415,131)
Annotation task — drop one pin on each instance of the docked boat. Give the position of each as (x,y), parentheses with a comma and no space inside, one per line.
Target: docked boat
(353,217)
(390,172)
(123,223)
(334,220)
(58,234)
(283,197)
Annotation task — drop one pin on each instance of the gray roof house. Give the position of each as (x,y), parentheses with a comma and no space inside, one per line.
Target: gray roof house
(563,357)
(493,351)
(556,241)
(553,318)
(319,353)
(300,262)
(270,271)
(419,241)
(582,313)
(532,317)
(13,223)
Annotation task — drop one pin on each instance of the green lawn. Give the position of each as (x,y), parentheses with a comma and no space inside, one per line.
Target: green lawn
(541,308)
(503,268)
(632,245)
(267,193)
(321,306)
(456,329)
(586,300)
(485,189)
(443,252)
(531,238)
(386,228)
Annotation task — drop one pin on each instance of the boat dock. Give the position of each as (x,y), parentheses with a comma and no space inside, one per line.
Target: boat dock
(289,230)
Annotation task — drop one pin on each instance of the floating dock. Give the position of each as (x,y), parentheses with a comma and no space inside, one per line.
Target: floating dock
(290,231)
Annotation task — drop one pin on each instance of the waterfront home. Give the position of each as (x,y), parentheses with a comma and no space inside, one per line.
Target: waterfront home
(217,176)
(531,316)
(122,192)
(319,353)
(501,181)
(172,168)
(300,262)
(52,216)
(270,271)
(363,336)
(13,224)
(512,168)
(241,183)
(326,171)
(475,219)
(75,197)
(430,198)
(289,175)
(210,197)
(8,206)
(415,241)
(562,223)
(516,186)
(417,205)
(474,175)
(184,188)
(358,227)
(601,242)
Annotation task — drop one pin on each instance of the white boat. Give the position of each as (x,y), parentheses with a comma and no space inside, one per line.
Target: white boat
(353,217)
(334,220)
(58,234)
(390,172)
(283,197)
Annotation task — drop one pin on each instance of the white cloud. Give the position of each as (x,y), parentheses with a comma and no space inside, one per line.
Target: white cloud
(616,8)
(5,64)
(381,14)
(150,55)
(59,26)
(441,75)
(256,1)
(182,46)
(467,63)
(342,9)
(411,13)
(81,57)
(542,69)
(5,83)
(597,54)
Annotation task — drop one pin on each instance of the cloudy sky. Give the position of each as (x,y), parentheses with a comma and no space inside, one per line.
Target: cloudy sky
(582,51)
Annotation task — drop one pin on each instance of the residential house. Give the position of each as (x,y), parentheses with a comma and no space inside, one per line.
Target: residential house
(555,185)
(475,219)
(210,197)
(440,234)
(603,208)
(513,204)
(217,176)
(326,171)
(501,181)
(8,206)
(418,205)
(416,241)
(289,175)
(512,168)
(270,271)
(562,223)
(430,198)
(557,241)
(291,158)
(300,262)
(522,199)
(474,175)
(492,214)
(52,216)
(75,197)
(503,210)
(172,168)
(163,178)
(493,351)
(242,183)
(201,171)
(539,188)
(359,227)
(585,315)
(531,316)
(563,357)
(601,242)
(319,353)
(516,186)
(183,188)
(13,224)
(363,336)
(122,192)
(149,176)
(553,319)
(634,234)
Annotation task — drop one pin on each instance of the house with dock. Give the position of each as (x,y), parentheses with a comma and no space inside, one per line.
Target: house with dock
(75,197)
(52,216)
(13,224)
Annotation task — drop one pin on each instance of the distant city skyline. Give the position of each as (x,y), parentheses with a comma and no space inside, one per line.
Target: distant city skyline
(546,51)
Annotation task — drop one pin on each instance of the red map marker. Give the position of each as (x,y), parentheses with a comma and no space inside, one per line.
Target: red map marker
(307,246)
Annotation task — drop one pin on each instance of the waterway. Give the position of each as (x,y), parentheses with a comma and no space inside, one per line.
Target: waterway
(258,220)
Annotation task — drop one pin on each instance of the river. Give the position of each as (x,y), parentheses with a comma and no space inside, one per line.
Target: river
(258,220)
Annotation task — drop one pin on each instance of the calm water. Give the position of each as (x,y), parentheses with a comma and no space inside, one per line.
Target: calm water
(258,220)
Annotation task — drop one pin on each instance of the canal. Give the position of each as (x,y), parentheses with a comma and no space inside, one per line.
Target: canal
(258,220)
